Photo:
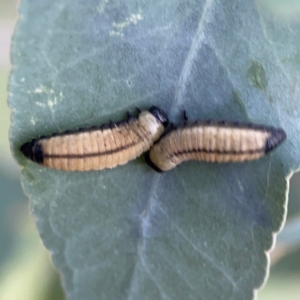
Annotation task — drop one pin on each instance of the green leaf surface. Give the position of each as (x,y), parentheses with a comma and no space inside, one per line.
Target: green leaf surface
(200,231)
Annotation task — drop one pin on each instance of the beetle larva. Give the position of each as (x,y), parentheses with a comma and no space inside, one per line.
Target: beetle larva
(97,148)
(214,142)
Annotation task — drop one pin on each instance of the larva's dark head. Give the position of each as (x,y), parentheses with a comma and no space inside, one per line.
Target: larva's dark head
(276,138)
(34,151)
(160,115)
(151,164)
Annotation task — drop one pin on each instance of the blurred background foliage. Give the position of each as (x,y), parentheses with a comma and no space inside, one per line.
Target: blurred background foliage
(26,269)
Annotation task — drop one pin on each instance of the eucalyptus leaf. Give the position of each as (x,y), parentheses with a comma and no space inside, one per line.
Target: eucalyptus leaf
(200,231)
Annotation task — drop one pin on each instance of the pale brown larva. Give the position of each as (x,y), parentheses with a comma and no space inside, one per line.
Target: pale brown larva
(214,141)
(98,148)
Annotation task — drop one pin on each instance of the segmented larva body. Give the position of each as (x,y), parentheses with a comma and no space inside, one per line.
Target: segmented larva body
(99,148)
(214,142)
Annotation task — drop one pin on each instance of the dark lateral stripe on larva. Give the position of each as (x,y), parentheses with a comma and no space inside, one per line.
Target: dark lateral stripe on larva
(193,141)
(88,155)
(276,138)
(217,152)
(115,143)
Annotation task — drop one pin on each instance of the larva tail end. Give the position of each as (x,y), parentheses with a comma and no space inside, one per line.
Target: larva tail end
(160,115)
(277,137)
(151,164)
(26,150)
(33,151)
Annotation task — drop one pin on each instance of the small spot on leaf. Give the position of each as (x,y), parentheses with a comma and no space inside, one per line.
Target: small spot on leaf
(256,74)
